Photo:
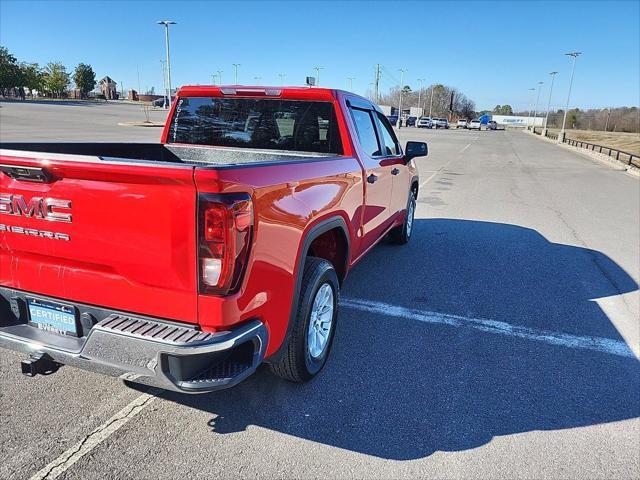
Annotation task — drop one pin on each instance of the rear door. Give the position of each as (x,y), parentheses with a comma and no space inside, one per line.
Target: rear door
(116,235)
(378,177)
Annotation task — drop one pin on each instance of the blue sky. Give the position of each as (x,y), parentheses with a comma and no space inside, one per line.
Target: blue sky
(491,51)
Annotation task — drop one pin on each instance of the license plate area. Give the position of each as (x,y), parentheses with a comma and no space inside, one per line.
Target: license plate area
(54,317)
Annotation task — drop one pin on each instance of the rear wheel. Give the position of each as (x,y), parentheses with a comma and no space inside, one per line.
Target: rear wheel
(314,325)
(402,234)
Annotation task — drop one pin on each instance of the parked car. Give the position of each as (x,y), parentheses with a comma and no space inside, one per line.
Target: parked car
(492,125)
(441,123)
(411,121)
(475,124)
(162,102)
(186,264)
(424,122)
(462,123)
(393,120)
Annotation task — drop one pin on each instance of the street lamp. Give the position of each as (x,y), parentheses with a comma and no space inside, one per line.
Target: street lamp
(164,82)
(219,72)
(350,83)
(257,79)
(317,69)
(235,73)
(282,75)
(535,112)
(546,120)
(166,24)
(529,117)
(564,119)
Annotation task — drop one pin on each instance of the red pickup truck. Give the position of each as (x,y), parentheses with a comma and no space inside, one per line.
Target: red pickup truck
(186,264)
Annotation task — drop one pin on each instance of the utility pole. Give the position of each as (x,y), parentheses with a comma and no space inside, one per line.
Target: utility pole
(282,75)
(377,82)
(317,69)
(606,127)
(350,83)
(235,73)
(420,91)
(564,119)
(166,24)
(529,117)
(431,102)
(535,112)
(546,120)
(401,70)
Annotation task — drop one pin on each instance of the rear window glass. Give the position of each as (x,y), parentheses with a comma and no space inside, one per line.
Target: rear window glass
(260,123)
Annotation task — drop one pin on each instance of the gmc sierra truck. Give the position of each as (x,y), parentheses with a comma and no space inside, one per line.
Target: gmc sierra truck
(187,263)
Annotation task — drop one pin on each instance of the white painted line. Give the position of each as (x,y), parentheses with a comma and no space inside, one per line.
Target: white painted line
(99,435)
(427,180)
(467,146)
(598,344)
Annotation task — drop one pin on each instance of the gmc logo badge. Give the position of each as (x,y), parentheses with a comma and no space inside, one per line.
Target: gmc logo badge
(52,209)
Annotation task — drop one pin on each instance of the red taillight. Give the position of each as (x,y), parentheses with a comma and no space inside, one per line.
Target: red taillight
(225,224)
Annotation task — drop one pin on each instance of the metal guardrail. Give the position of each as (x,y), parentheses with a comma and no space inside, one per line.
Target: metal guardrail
(611,152)
(620,155)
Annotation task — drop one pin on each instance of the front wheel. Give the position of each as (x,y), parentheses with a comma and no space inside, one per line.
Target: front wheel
(402,234)
(314,325)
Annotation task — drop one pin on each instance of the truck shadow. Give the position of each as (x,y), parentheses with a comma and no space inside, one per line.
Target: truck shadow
(401,389)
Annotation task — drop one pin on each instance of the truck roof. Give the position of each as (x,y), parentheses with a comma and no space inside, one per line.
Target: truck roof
(290,92)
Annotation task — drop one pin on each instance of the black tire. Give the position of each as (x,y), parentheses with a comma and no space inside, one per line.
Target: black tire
(296,363)
(402,234)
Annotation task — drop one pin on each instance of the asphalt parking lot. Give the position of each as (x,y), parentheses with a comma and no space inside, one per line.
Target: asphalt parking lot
(501,342)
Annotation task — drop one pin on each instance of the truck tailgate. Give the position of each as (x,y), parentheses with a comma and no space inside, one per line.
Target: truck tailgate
(130,243)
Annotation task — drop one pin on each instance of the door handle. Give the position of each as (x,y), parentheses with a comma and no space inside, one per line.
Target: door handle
(372,178)
(395,171)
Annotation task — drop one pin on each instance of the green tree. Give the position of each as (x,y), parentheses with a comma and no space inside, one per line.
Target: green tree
(497,109)
(507,110)
(10,73)
(84,78)
(33,77)
(56,79)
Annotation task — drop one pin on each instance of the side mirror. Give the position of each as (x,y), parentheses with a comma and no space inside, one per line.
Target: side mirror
(416,149)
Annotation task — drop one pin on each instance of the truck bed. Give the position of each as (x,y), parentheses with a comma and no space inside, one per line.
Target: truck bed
(157,152)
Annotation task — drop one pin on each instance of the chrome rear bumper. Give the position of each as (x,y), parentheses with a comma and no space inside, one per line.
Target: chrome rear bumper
(150,352)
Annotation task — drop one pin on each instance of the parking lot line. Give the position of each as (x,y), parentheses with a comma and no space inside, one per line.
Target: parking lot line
(599,344)
(95,438)
(465,147)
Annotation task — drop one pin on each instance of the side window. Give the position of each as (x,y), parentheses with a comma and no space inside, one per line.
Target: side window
(389,140)
(366,131)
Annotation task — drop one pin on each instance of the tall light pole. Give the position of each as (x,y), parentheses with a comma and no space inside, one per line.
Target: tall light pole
(564,119)
(317,69)
(257,79)
(282,75)
(219,72)
(546,120)
(164,82)
(420,91)
(350,83)
(529,117)
(535,112)
(213,78)
(235,73)
(166,24)
(401,70)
